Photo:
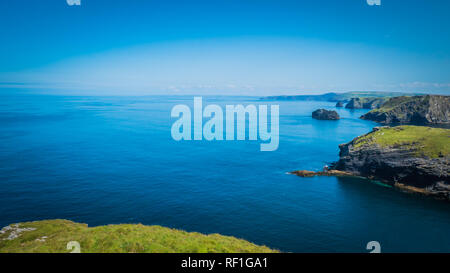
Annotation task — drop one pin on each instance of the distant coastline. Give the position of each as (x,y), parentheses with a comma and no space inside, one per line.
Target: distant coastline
(345,96)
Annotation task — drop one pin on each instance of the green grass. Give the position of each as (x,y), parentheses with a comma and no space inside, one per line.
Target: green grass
(396,102)
(126,238)
(423,141)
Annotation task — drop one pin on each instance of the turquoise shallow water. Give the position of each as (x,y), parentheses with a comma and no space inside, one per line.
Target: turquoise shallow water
(103,160)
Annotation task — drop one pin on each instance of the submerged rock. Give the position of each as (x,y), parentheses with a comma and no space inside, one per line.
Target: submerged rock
(323,114)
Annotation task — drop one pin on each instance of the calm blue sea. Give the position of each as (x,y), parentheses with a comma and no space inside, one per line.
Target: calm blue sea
(104,160)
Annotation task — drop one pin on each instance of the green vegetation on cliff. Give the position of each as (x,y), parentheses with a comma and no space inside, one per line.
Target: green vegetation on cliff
(423,141)
(53,236)
(428,109)
(365,103)
(393,102)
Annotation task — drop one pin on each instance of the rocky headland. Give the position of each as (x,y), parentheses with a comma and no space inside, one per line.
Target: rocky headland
(365,103)
(414,158)
(428,109)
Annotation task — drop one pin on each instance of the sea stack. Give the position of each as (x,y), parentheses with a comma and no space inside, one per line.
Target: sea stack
(324,114)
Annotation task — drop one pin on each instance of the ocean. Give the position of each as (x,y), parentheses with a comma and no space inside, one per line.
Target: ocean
(109,160)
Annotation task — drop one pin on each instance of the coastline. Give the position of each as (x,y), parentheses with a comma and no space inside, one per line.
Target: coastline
(400,186)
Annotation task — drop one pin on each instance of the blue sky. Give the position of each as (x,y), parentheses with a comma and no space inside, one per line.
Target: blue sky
(249,47)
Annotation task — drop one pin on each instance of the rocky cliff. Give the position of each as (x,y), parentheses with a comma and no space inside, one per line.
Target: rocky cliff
(429,109)
(415,158)
(365,103)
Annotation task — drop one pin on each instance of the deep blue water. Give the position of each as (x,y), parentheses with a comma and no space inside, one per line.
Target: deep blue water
(103,160)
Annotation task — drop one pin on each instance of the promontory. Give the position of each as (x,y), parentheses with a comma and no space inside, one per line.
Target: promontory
(414,158)
(428,109)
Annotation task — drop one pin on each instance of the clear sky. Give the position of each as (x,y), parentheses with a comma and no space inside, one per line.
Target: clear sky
(248,47)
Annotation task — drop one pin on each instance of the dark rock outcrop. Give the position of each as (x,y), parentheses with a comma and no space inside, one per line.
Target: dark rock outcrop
(340,104)
(365,103)
(354,103)
(323,114)
(305,173)
(429,109)
(373,103)
(401,164)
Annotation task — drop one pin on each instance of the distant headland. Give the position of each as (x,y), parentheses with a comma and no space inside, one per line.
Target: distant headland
(353,100)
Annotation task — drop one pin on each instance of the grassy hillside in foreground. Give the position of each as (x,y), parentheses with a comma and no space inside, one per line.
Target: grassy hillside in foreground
(424,141)
(53,236)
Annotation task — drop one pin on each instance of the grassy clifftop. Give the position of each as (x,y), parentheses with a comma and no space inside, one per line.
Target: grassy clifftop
(53,236)
(394,102)
(428,109)
(411,158)
(424,141)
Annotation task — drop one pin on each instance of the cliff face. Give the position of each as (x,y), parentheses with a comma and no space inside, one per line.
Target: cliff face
(412,157)
(365,103)
(429,109)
